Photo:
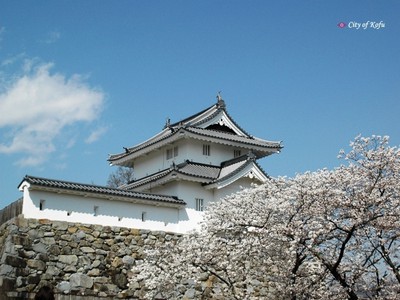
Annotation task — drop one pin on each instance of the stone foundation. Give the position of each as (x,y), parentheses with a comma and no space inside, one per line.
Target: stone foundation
(89,261)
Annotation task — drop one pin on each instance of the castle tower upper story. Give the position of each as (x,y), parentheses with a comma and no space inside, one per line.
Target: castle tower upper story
(207,147)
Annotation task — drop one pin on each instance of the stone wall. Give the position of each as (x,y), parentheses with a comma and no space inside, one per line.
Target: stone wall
(78,260)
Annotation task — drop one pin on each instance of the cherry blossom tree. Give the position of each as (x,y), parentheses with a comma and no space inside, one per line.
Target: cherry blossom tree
(326,234)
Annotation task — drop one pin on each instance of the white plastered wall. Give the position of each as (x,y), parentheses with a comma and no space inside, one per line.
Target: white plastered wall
(79,209)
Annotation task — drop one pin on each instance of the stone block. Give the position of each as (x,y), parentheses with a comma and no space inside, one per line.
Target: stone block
(48,240)
(70,269)
(72,229)
(44,221)
(128,260)
(59,225)
(117,262)
(85,228)
(54,250)
(34,279)
(26,254)
(15,261)
(36,264)
(53,271)
(120,281)
(22,240)
(68,259)
(39,247)
(94,272)
(42,256)
(87,250)
(80,280)
(7,284)
(64,286)
(135,231)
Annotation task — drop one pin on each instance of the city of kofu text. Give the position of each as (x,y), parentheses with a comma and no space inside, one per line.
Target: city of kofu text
(365,25)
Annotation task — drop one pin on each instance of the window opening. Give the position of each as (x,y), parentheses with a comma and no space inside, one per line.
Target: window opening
(199,204)
(206,150)
(237,153)
(41,204)
(172,152)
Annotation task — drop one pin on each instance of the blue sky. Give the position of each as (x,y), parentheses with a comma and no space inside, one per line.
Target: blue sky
(82,79)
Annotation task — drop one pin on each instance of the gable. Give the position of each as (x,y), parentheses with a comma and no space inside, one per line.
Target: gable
(213,125)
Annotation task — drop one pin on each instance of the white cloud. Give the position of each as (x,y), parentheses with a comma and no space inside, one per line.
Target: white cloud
(38,105)
(96,134)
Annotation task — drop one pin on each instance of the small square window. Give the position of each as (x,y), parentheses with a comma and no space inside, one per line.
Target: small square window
(95,210)
(199,204)
(172,152)
(237,153)
(169,153)
(206,150)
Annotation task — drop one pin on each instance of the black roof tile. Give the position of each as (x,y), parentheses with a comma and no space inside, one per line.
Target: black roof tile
(96,189)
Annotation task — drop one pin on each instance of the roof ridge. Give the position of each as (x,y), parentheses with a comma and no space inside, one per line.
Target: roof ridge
(237,170)
(248,156)
(166,170)
(186,162)
(192,116)
(65,181)
(84,187)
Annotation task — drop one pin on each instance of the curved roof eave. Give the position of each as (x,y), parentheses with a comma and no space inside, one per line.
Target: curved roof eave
(268,147)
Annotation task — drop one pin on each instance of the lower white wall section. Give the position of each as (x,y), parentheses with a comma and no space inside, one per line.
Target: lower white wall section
(78,208)
(90,210)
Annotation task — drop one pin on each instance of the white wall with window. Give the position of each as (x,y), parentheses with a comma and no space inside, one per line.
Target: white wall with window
(217,152)
(158,160)
(198,151)
(92,210)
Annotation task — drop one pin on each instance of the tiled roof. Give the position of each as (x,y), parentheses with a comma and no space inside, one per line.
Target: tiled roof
(222,137)
(234,138)
(199,170)
(194,125)
(208,174)
(196,170)
(96,189)
(147,179)
(163,135)
(228,170)
(212,109)
(218,109)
